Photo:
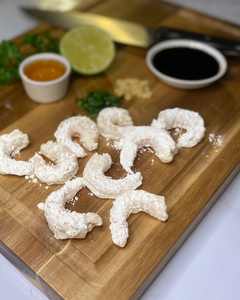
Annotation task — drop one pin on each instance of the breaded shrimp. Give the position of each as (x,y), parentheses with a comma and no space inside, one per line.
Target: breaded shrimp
(189,120)
(114,122)
(64,223)
(66,164)
(82,127)
(10,145)
(103,186)
(159,139)
(132,203)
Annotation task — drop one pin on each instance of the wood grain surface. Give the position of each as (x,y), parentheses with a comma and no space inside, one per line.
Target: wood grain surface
(95,268)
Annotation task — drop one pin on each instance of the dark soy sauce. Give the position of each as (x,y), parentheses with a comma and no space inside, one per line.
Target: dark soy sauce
(186,63)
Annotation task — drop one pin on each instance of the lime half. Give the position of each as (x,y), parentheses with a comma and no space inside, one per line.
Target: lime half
(89,49)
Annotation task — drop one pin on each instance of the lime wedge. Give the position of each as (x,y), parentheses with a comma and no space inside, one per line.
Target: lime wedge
(89,49)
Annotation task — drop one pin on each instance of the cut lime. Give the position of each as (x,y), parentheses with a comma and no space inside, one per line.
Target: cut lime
(89,49)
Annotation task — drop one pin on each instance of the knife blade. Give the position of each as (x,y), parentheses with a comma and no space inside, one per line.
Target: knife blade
(131,33)
(120,31)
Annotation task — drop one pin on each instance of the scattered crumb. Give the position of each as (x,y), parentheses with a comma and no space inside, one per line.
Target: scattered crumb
(31,178)
(206,155)
(215,139)
(130,87)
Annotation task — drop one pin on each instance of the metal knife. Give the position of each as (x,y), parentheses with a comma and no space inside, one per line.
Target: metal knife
(131,33)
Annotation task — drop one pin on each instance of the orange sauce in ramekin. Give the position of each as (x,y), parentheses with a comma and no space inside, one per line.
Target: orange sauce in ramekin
(44,70)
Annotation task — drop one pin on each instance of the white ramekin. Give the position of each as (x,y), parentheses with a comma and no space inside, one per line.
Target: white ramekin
(45,91)
(186,84)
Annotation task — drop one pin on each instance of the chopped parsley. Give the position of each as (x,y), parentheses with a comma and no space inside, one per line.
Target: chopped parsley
(96,101)
(42,42)
(10,59)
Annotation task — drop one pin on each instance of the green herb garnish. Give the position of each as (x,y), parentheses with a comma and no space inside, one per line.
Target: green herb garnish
(11,57)
(96,101)
(42,42)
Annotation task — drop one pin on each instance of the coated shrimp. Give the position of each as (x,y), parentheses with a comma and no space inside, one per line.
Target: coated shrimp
(66,164)
(64,223)
(114,122)
(132,203)
(82,127)
(159,139)
(10,145)
(189,120)
(104,186)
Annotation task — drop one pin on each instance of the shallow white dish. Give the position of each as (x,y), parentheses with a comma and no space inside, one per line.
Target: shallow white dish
(45,91)
(180,83)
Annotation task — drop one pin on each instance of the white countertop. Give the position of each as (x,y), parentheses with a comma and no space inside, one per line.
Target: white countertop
(207,266)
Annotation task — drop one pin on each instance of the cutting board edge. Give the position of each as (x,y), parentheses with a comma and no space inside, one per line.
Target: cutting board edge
(28,273)
(182,239)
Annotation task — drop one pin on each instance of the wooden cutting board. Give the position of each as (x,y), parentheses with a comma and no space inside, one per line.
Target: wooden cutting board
(95,268)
